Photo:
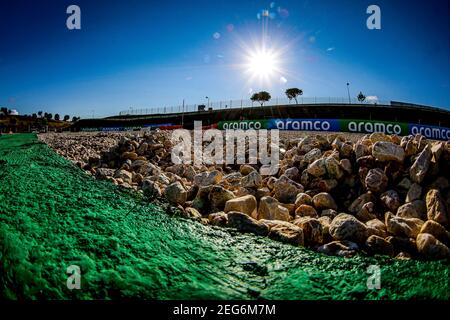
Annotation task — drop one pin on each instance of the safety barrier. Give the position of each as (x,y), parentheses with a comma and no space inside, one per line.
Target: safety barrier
(341,125)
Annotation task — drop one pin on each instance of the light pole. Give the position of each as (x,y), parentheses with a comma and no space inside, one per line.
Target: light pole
(348,91)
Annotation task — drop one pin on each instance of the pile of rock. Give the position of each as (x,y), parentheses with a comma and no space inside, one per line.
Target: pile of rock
(378,195)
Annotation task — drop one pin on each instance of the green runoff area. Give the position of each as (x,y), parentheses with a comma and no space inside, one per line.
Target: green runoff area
(53,215)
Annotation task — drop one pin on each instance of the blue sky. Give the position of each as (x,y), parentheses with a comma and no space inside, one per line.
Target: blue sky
(153,53)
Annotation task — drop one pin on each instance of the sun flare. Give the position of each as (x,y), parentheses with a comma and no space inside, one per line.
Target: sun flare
(262,63)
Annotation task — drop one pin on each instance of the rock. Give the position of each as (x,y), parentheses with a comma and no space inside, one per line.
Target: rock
(331,213)
(436,208)
(270,209)
(405,184)
(358,203)
(262,192)
(305,210)
(151,188)
(129,155)
(103,173)
(175,193)
(177,169)
(436,150)
(377,245)
(192,213)
(317,168)
(286,190)
(367,212)
(138,178)
(310,142)
(346,149)
(288,234)
(246,204)
(326,222)
(245,223)
(415,209)
(327,185)
(312,155)
(290,207)
(251,180)
(142,148)
(274,223)
(124,175)
(324,200)
(333,167)
(346,165)
(441,183)
(403,227)
(361,150)
(312,230)
(219,219)
(345,249)
(419,169)
(245,169)
(414,193)
(148,169)
(376,180)
(208,178)
(390,200)
(432,248)
(233,179)
(303,198)
(437,230)
(271,183)
(292,173)
(376,227)
(218,197)
(403,256)
(388,151)
(347,227)
(379,136)
(402,244)
(201,201)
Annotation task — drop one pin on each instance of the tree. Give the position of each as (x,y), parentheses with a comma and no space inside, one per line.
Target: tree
(261,97)
(49,116)
(66,117)
(293,93)
(74,119)
(57,116)
(40,114)
(4,110)
(34,116)
(361,97)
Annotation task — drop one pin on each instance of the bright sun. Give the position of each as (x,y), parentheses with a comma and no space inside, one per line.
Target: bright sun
(262,63)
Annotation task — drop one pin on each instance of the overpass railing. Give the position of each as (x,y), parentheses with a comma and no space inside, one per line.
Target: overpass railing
(245,103)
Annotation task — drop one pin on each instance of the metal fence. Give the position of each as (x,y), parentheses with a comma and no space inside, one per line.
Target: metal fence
(245,103)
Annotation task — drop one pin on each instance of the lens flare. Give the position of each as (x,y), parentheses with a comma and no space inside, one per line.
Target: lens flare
(262,63)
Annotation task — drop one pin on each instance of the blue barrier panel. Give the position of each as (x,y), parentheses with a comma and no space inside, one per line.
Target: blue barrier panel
(304,124)
(112,129)
(431,132)
(157,125)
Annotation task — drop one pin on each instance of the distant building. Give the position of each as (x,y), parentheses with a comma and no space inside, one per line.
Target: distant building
(14,112)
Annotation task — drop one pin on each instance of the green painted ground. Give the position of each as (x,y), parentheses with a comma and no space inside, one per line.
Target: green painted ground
(53,215)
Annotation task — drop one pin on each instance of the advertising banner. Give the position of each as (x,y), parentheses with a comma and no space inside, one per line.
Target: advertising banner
(304,124)
(244,124)
(431,132)
(370,126)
